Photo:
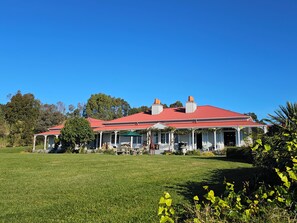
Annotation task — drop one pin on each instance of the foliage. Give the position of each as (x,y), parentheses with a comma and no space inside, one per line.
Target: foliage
(280,154)
(182,131)
(166,211)
(178,152)
(256,133)
(240,153)
(168,129)
(243,206)
(76,132)
(21,113)
(4,128)
(49,116)
(176,104)
(109,151)
(220,152)
(285,117)
(167,152)
(105,107)
(277,153)
(193,153)
(138,110)
(207,154)
(79,111)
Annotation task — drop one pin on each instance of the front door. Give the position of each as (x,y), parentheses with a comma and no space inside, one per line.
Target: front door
(199,140)
(229,138)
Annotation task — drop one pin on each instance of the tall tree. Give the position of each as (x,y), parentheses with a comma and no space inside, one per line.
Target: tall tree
(4,129)
(49,115)
(61,107)
(79,111)
(105,107)
(76,132)
(21,113)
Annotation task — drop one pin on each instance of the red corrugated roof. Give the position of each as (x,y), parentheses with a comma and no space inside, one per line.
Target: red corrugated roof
(215,124)
(57,127)
(93,122)
(123,127)
(204,117)
(170,114)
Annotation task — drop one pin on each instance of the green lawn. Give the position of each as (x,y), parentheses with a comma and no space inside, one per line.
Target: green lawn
(102,188)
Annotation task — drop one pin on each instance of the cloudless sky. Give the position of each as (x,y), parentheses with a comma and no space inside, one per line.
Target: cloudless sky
(238,55)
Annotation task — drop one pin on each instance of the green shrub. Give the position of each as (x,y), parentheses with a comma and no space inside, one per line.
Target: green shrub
(109,152)
(82,150)
(178,152)
(253,206)
(282,131)
(240,153)
(194,153)
(220,152)
(167,152)
(145,152)
(208,154)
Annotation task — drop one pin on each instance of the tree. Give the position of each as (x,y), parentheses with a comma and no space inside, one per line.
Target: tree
(49,115)
(61,107)
(4,129)
(79,111)
(76,132)
(252,115)
(283,129)
(285,117)
(138,110)
(176,104)
(165,105)
(105,107)
(21,114)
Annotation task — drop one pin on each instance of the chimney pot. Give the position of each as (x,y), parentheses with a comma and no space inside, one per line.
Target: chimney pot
(191,99)
(157,101)
(157,108)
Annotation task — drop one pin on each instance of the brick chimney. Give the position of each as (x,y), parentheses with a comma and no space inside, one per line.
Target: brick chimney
(191,106)
(157,108)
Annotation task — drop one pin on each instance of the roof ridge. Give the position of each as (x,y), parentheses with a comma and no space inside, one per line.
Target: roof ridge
(228,110)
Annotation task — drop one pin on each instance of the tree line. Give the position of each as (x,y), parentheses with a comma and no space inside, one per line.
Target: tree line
(24,115)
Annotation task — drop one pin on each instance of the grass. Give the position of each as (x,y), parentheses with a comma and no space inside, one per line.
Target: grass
(102,188)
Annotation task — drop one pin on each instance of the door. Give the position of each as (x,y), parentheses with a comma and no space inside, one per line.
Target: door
(229,138)
(199,140)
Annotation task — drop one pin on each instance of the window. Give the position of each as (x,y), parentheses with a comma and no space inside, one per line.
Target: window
(137,140)
(165,138)
(155,138)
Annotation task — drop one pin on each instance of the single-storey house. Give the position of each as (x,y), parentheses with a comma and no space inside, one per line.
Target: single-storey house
(193,127)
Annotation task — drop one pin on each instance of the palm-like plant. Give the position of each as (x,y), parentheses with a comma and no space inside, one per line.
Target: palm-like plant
(285,117)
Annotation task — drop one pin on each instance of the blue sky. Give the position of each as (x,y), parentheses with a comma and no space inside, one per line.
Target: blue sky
(238,55)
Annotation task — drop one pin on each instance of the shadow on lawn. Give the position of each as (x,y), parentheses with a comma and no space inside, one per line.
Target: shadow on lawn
(224,158)
(216,182)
